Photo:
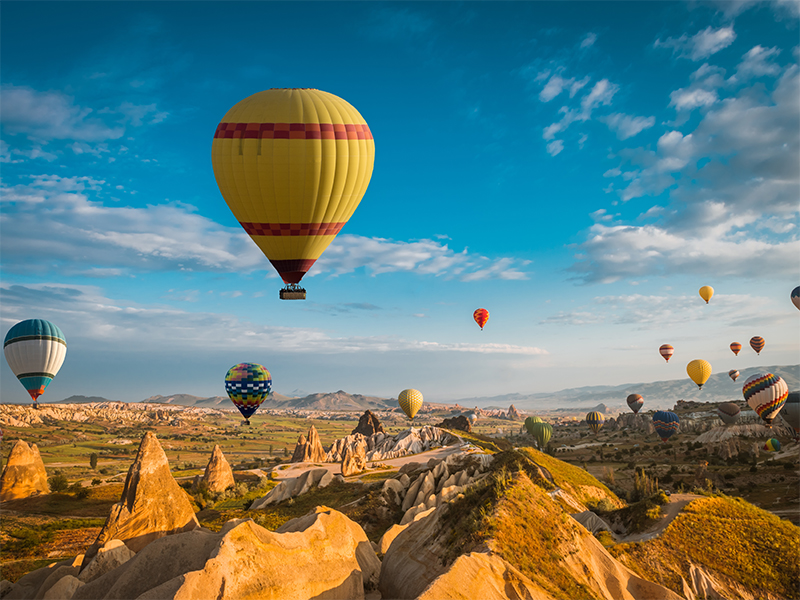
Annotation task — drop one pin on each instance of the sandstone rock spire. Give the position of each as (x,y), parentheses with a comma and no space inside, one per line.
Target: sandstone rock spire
(309,451)
(219,475)
(24,475)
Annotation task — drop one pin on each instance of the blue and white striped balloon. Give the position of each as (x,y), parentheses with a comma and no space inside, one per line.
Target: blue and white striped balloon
(35,350)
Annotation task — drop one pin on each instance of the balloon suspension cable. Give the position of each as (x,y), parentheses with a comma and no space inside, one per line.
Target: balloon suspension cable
(293,291)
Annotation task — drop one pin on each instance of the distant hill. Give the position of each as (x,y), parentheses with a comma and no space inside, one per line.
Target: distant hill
(189,400)
(658,394)
(80,400)
(340,400)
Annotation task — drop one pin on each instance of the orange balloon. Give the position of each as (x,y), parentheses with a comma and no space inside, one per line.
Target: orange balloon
(481,316)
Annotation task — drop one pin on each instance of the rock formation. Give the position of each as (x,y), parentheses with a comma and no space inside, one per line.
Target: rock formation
(368,425)
(381,446)
(218,476)
(354,460)
(461,423)
(24,475)
(152,503)
(291,488)
(309,450)
(513,414)
(123,414)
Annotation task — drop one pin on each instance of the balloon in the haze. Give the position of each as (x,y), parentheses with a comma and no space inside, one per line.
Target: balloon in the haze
(791,412)
(706,292)
(293,165)
(699,371)
(530,422)
(481,315)
(471,417)
(766,394)
(635,402)
(666,424)
(666,351)
(35,350)
(736,347)
(247,385)
(595,420)
(772,445)
(733,374)
(542,432)
(729,412)
(796,297)
(410,401)
(757,344)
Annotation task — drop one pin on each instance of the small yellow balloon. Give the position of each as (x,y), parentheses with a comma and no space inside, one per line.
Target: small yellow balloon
(410,401)
(706,292)
(699,371)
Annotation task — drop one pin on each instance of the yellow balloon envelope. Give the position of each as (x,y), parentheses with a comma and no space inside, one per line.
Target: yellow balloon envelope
(706,292)
(293,165)
(410,401)
(699,371)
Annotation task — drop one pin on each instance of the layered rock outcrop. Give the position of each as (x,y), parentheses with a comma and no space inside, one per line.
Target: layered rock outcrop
(381,446)
(460,423)
(354,460)
(309,450)
(24,475)
(513,414)
(291,488)
(368,425)
(152,503)
(218,476)
(120,413)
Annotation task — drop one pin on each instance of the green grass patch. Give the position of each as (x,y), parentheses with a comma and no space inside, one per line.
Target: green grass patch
(490,445)
(15,569)
(378,476)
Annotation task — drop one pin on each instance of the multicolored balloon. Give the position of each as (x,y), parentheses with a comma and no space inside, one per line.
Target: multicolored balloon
(699,371)
(757,344)
(791,412)
(595,420)
(635,403)
(729,412)
(293,166)
(766,394)
(481,315)
(410,401)
(736,347)
(666,424)
(796,297)
(35,350)
(542,432)
(706,292)
(733,374)
(772,445)
(248,385)
(666,351)
(530,422)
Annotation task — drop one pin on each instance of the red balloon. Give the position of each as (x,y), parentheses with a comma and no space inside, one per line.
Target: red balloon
(481,316)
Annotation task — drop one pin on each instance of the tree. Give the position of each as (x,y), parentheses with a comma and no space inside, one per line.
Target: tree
(285,451)
(58,482)
(93,460)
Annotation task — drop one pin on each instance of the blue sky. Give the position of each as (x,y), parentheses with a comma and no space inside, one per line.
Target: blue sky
(578,169)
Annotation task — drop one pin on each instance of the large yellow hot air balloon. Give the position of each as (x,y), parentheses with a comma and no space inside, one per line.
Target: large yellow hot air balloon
(410,401)
(699,371)
(293,165)
(706,292)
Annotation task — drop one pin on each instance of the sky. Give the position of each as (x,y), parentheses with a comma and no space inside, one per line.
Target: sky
(578,169)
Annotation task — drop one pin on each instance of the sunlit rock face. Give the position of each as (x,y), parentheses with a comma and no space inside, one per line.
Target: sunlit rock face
(368,425)
(218,476)
(310,450)
(24,475)
(152,505)
(381,446)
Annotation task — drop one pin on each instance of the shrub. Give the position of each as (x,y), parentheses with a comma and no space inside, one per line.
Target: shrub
(58,482)
(96,481)
(93,460)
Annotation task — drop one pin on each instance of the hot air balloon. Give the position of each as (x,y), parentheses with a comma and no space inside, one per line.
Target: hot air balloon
(410,401)
(772,445)
(542,432)
(292,165)
(757,344)
(699,371)
(666,351)
(530,422)
(471,417)
(666,424)
(733,374)
(796,297)
(481,315)
(791,412)
(595,420)
(706,292)
(766,394)
(729,412)
(635,402)
(248,385)
(736,347)
(35,350)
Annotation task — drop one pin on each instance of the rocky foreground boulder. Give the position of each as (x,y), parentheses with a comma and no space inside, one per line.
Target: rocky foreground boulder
(309,450)
(320,555)
(218,475)
(153,505)
(24,475)
(459,423)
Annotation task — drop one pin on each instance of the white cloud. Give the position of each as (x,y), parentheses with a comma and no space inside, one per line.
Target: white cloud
(555,147)
(136,114)
(703,44)
(588,40)
(600,95)
(756,63)
(556,84)
(627,126)
(689,99)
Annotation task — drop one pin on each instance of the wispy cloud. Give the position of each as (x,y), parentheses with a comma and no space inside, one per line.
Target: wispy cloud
(701,45)
(627,126)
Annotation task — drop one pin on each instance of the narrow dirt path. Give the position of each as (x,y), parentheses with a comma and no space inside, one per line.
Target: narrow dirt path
(677,502)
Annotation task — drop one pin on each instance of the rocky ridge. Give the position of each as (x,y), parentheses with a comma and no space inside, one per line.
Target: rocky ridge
(381,446)
(121,414)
